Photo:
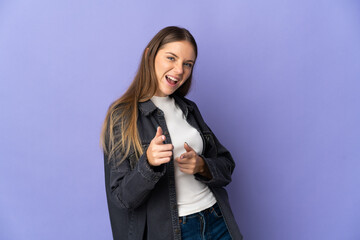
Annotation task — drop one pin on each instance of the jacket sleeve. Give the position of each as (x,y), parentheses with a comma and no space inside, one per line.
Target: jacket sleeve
(129,188)
(220,162)
(126,186)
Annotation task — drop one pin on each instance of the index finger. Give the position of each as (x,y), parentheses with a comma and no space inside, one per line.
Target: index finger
(187,155)
(159,139)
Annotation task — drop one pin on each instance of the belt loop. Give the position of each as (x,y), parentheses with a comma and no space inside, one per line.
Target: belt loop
(182,220)
(212,209)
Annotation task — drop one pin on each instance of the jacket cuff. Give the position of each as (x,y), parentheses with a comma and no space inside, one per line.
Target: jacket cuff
(149,173)
(212,170)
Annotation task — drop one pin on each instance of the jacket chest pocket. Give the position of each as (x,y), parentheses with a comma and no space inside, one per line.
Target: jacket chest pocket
(210,146)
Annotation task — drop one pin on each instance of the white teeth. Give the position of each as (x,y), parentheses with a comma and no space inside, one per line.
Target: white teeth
(171,78)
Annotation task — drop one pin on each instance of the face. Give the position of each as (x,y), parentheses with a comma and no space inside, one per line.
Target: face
(173,66)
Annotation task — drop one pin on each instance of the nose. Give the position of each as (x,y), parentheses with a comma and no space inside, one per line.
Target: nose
(179,68)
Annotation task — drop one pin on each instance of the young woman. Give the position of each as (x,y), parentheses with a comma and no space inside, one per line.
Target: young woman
(165,171)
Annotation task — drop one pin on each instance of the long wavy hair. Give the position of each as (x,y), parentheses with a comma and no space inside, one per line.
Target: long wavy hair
(119,131)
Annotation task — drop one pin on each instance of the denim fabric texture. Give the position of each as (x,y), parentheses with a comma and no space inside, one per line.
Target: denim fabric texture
(208,224)
(142,199)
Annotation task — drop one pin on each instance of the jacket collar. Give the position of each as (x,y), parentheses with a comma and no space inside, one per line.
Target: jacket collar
(148,106)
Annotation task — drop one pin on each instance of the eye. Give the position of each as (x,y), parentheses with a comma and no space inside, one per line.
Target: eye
(188,65)
(171,58)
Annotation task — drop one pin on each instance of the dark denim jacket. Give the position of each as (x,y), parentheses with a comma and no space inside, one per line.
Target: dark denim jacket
(142,200)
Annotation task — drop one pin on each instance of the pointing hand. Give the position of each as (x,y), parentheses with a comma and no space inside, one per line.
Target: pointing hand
(159,153)
(191,163)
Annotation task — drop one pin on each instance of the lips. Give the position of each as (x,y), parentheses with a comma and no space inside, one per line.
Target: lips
(171,80)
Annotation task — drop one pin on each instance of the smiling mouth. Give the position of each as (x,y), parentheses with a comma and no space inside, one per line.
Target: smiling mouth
(172,81)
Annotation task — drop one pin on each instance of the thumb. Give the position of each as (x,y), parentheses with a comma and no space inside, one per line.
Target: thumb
(159,131)
(187,147)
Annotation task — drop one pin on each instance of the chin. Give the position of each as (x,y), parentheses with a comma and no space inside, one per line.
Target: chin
(168,92)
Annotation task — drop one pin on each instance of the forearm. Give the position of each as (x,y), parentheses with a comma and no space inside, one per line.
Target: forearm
(204,170)
(219,170)
(130,188)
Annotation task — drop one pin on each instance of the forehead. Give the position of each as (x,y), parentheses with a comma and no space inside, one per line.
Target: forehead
(182,49)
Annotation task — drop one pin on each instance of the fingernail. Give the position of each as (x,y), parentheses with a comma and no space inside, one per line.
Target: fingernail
(163,137)
(187,143)
(181,157)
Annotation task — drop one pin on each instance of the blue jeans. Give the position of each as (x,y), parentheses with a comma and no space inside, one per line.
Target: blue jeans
(208,224)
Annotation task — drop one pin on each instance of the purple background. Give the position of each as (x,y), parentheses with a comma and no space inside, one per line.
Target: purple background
(277,81)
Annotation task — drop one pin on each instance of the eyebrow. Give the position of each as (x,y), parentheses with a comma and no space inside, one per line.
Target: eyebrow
(178,57)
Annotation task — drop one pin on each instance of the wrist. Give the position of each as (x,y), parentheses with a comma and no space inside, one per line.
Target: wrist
(204,170)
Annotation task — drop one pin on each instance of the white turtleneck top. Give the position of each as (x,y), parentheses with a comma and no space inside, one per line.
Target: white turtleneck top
(192,195)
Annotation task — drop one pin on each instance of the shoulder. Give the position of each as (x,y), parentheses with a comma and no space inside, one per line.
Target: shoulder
(186,102)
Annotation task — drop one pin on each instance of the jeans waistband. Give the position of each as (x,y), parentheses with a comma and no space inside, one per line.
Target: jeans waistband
(205,211)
